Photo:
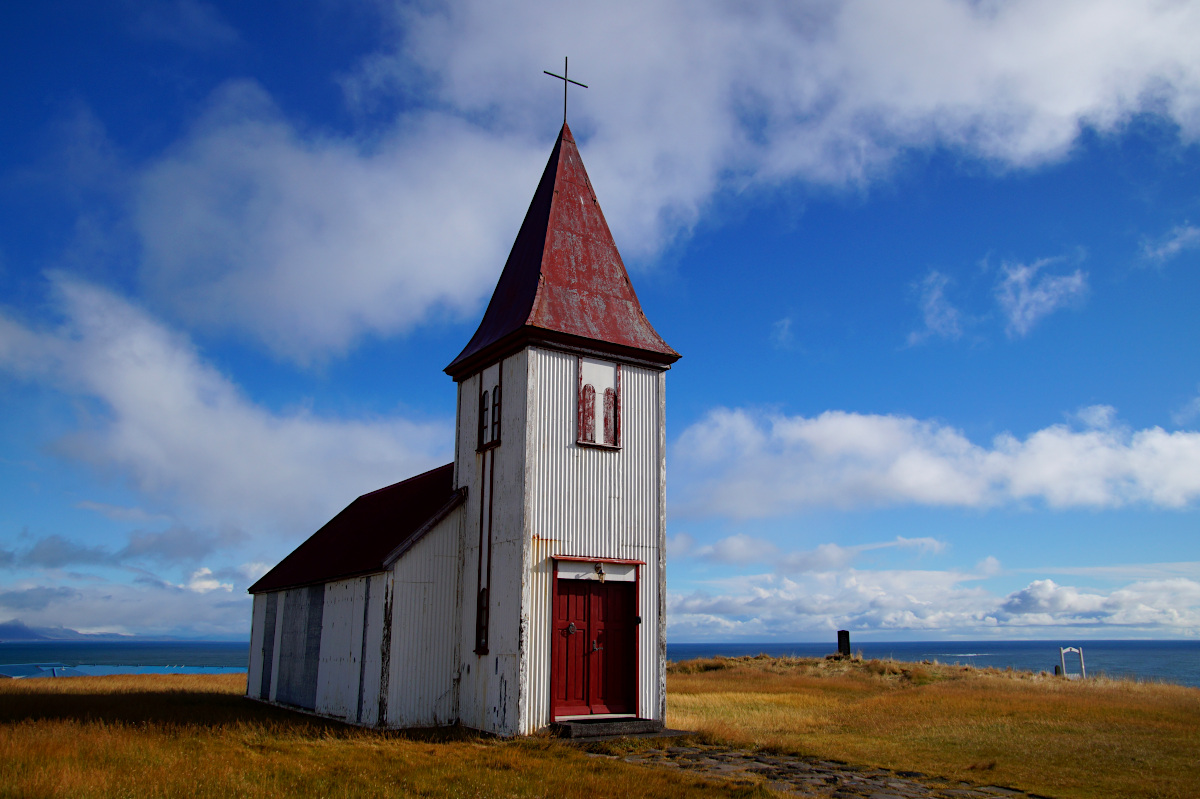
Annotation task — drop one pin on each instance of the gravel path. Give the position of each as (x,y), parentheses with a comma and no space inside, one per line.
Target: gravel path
(810,777)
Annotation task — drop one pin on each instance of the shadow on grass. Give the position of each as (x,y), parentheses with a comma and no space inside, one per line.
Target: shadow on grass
(191,709)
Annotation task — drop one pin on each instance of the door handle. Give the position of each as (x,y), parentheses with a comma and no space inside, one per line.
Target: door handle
(596,648)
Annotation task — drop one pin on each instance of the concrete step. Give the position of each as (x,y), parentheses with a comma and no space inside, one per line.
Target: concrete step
(595,728)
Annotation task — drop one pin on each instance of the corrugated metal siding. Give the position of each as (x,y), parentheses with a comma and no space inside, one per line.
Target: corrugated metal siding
(421,688)
(341,649)
(363,656)
(658,668)
(271,684)
(254,669)
(489,691)
(593,502)
(300,646)
(468,468)
(373,639)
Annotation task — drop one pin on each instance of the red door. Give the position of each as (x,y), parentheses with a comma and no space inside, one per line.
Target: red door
(594,649)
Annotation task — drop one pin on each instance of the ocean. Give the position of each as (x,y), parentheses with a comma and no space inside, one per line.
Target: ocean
(98,658)
(1168,661)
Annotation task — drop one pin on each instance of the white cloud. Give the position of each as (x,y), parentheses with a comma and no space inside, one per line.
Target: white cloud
(185,23)
(1043,597)
(823,558)
(989,566)
(253,570)
(1025,297)
(1169,604)
(1126,571)
(186,436)
(1181,238)
(308,239)
(174,545)
(1188,413)
(947,603)
(745,464)
(202,581)
(822,91)
(940,317)
(781,332)
(741,549)
(147,608)
(122,514)
(309,242)
(1097,417)
(778,607)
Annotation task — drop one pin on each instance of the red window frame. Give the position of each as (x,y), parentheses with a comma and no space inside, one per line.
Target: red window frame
(586,412)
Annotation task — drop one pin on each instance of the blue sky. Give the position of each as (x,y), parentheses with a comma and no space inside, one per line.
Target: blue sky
(932,266)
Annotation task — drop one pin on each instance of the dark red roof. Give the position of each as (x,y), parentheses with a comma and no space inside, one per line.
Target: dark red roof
(368,535)
(564,281)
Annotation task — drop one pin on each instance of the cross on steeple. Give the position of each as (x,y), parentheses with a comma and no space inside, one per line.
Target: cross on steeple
(563,77)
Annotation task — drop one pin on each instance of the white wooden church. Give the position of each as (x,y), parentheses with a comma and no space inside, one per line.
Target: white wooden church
(524,583)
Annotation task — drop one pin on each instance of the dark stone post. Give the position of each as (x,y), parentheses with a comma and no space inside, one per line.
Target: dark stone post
(844,643)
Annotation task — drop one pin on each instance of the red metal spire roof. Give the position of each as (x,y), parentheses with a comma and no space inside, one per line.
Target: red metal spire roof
(564,282)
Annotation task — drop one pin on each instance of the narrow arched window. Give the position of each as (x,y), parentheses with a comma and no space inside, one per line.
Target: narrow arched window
(483,419)
(587,414)
(496,414)
(610,417)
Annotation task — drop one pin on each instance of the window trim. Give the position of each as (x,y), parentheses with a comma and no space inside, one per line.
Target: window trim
(579,440)
(494,410)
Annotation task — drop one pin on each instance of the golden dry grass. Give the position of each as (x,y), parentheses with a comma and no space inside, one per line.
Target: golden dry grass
(195,736)
(1099,738)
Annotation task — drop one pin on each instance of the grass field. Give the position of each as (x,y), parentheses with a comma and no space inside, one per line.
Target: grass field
(195,736)
(172,735)
(1094,738)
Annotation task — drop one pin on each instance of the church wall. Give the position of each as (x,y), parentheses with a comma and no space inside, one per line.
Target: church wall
(592,502)
(424,632)
(489,686)
(341,650)
(300,646)
(376,594)
(278,599)
(254,668)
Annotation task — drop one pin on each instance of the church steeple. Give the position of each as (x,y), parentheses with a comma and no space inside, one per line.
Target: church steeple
(564,282)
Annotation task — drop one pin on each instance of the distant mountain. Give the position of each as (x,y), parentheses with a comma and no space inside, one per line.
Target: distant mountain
(16,630)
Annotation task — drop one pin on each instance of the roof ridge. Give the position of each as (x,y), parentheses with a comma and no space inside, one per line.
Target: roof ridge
(406,480)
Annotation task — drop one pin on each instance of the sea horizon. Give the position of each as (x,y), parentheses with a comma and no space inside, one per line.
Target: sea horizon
(1164,659)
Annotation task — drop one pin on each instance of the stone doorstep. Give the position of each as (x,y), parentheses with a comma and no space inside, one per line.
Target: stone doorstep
(605,728)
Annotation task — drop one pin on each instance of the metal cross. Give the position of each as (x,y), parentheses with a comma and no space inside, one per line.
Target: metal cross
(563,77)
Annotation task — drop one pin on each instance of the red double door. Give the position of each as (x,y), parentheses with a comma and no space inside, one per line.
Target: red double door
(594,652)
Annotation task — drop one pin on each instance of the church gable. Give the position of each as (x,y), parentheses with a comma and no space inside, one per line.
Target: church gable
(371,532)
